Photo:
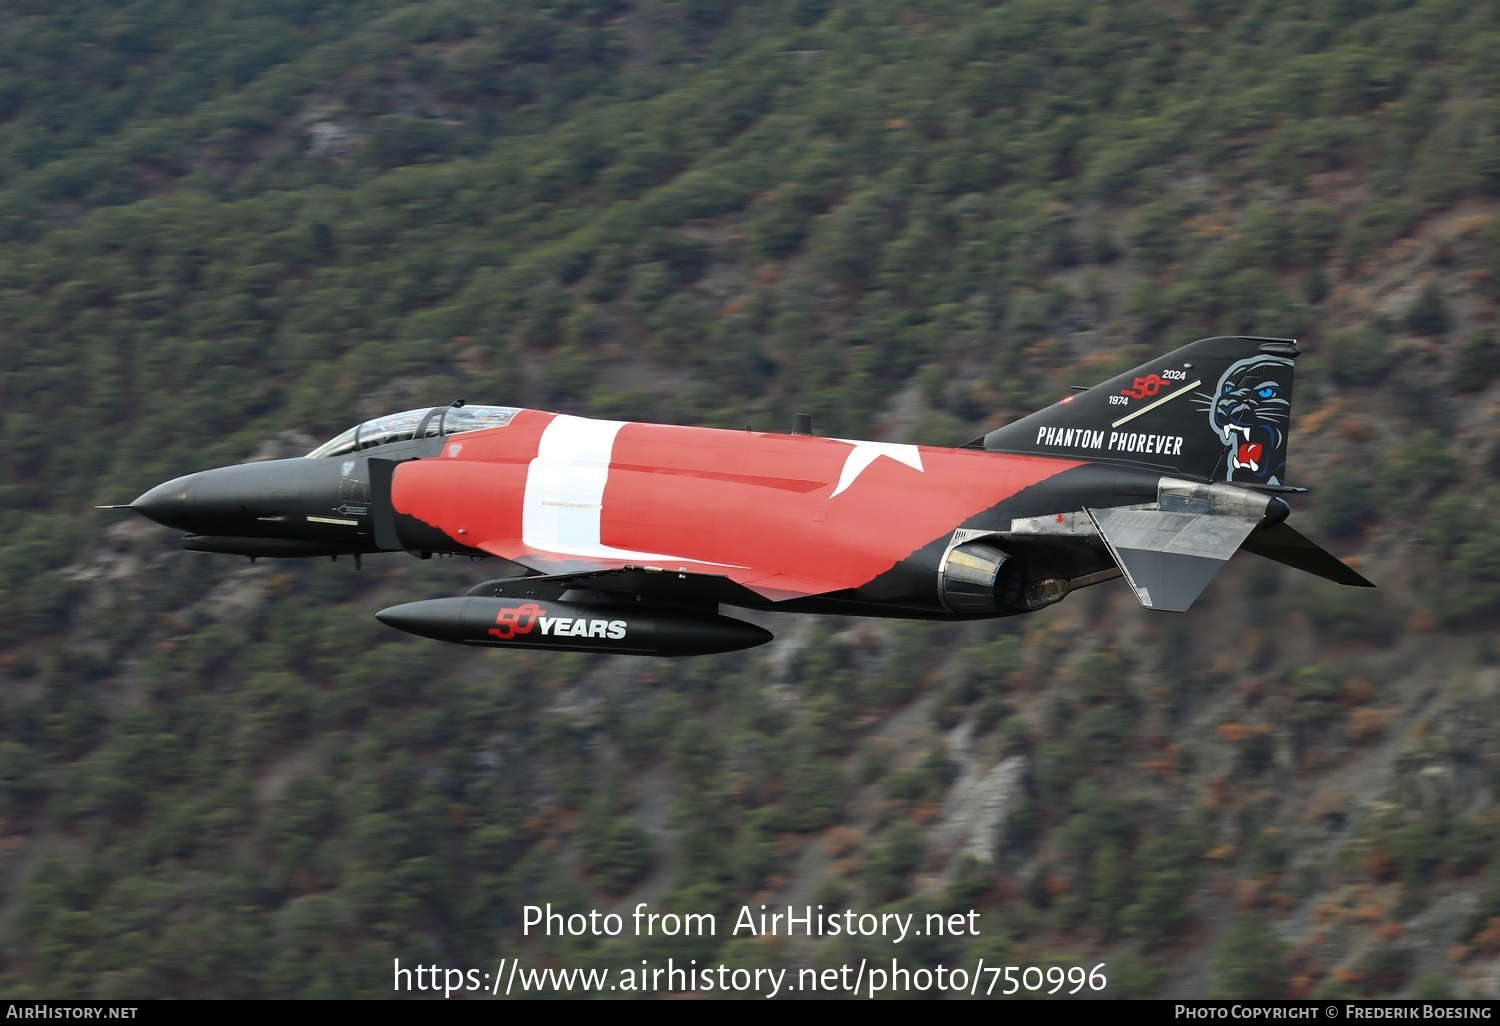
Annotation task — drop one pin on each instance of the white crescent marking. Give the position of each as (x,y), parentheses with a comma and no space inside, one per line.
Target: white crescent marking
(865,453)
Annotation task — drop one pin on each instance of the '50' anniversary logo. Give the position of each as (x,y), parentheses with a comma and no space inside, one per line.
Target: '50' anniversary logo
(1143,388)
(513,620)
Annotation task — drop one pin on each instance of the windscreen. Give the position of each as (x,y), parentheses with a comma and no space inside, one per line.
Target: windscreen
(400,427)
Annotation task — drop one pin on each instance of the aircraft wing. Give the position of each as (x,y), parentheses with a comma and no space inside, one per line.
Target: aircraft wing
(678,581)
(655,585)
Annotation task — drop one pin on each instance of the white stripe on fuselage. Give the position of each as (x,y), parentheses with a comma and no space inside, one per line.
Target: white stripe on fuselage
(564,500)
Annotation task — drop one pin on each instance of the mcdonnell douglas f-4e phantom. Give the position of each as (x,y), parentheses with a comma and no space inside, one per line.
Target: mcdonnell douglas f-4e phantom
(632,536)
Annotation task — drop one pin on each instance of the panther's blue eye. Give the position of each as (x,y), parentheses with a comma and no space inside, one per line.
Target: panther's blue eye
(1266,393)
(1228,388)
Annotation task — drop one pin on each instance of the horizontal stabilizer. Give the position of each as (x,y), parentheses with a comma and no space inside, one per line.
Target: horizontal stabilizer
(1170,557)
(1288,547)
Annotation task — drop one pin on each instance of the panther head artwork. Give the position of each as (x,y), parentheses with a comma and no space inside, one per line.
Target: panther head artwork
(1249,410)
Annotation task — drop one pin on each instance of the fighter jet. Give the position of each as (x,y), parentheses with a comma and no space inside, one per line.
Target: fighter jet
(634,537)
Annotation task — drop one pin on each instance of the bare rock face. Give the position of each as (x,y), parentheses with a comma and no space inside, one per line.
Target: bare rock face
(974,814)
(127,551)
(284,446)
(332,133)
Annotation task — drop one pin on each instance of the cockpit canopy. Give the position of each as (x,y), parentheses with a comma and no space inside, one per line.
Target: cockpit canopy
(401,427)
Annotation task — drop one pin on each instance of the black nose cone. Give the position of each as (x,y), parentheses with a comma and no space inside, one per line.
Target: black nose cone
(167,504)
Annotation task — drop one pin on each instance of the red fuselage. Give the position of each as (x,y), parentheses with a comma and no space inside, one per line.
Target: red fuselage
(784,515)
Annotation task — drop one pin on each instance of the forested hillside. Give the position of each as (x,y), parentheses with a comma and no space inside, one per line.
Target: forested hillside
(231,231)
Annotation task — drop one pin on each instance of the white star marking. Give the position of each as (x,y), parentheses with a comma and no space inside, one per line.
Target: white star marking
(865,453)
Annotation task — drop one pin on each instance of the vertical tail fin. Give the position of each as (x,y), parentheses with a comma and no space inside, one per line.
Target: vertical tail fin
(1216,410)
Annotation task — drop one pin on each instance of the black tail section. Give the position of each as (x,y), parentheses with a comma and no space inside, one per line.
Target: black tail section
(1216,410)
